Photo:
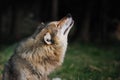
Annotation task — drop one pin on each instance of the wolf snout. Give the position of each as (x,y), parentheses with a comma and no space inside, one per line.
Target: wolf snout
(66,24)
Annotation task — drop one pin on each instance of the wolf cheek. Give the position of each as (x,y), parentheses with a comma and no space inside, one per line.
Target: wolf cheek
(47,38)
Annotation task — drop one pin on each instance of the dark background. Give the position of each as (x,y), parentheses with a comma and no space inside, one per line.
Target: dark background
(96,21)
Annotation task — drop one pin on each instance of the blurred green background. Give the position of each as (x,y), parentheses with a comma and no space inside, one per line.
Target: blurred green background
(82,62)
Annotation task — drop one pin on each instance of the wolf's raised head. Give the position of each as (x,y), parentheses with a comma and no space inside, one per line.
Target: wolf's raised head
(55,31)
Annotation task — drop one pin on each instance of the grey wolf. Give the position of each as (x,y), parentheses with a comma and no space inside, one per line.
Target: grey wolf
(40,54)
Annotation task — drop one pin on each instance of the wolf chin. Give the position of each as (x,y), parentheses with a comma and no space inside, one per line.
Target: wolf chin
(37,56)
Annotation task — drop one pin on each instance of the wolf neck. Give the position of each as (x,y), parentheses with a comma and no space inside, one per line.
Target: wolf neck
(45,58)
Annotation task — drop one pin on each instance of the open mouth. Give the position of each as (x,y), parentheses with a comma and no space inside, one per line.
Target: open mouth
(68,23)
(69,27)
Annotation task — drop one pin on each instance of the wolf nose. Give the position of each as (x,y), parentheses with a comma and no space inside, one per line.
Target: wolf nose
(69,15)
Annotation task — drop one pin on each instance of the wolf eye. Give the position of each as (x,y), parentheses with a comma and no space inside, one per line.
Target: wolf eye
(52,41)
(48,40)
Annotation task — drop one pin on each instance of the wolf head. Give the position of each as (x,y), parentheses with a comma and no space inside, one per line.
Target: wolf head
(53,34)
(55,31)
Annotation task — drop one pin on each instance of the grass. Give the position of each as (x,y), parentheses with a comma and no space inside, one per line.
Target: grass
(87,62)
(5,55)
(82,62)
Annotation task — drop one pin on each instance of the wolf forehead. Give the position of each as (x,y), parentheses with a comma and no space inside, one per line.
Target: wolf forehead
(48,26)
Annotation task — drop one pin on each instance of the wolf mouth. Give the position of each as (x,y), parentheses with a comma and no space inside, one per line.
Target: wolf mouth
(71,24)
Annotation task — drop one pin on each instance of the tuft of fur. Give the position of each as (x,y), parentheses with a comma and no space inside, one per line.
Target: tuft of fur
(37,56)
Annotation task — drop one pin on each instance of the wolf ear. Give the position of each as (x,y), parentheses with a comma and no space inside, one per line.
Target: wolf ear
(39,28)
(47,38)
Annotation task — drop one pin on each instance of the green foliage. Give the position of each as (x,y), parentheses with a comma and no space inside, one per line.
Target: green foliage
(87,62)
(82,62)
(5,55)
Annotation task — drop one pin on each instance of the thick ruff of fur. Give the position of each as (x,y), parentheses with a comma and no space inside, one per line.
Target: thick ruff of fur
(37,56)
